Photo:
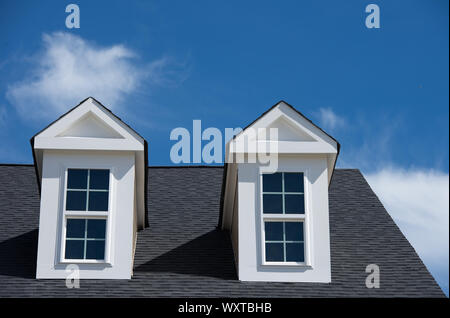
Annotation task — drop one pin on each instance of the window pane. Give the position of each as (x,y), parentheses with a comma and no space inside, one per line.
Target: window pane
(98,201)
(272,182)
(294,203)
(74,249)
(272,203)
(99,179)
(295,252)
(75,228)
(77,178)
(95,250)
(274,231)
(294,231)
(293,182)
(76,201)
(96,229)
(274,252)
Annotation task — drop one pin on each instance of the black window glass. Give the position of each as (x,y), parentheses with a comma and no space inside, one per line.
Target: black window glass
(99,179)
(76,200)
(95,250)
(98,201)
(294,231)
(274,231)
(96,229)
(75,228)
(293,182)
(77,178)
(294,203)
(274,252)
(74,249)
(272,182)
(273,203)
(295,252)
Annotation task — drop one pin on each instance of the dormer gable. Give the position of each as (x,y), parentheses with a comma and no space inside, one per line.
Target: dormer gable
(92,172)
(296,135)
(277,213)
(92,126)
(89,125)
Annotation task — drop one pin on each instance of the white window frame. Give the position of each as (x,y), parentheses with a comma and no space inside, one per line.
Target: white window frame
(271,217)
(103,215)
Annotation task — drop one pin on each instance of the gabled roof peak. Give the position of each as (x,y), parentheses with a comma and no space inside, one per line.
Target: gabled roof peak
(285,117)
(90,126)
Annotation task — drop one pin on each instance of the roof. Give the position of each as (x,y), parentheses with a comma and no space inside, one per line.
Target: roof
(184,254)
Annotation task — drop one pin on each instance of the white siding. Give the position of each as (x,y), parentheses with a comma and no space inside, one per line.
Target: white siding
(121,228)
(317,235)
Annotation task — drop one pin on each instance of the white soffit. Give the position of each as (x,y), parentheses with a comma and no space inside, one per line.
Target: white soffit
(288,130)
(90,126)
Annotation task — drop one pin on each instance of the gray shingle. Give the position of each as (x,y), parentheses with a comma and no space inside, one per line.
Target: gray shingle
(183,254)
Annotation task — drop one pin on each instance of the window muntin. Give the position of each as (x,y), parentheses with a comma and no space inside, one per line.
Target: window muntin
(85,239)
(283,216)
(284,241)
(86,215)
(87,190)
(283,193)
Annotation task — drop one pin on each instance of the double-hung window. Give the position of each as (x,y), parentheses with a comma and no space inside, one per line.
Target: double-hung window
(283,216)
(86,212)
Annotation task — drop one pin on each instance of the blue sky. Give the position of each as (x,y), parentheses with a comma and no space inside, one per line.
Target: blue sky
(383,93)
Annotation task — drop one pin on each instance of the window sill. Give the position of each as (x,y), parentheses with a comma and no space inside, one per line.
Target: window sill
(286,264)
(82,261)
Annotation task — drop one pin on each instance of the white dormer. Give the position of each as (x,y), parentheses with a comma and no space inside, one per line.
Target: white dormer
(277,212)
(92,170)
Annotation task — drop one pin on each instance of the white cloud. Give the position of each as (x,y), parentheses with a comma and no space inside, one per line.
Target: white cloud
(70,69)
(418,201)
(329,120)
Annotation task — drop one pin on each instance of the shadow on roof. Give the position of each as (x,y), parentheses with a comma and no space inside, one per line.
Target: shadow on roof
(210,255)
(21,252)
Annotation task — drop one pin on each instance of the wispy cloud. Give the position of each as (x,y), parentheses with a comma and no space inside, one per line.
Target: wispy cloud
(2,116)
(418,201)
(70,68)
(370,143)
(329,120)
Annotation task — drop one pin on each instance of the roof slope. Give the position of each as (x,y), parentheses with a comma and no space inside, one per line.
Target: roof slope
(183,254)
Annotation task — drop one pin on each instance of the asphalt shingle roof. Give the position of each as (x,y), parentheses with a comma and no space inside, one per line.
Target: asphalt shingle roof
(183,254)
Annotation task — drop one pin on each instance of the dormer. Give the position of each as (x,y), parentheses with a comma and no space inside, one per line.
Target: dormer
(276,210)
(92,171)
